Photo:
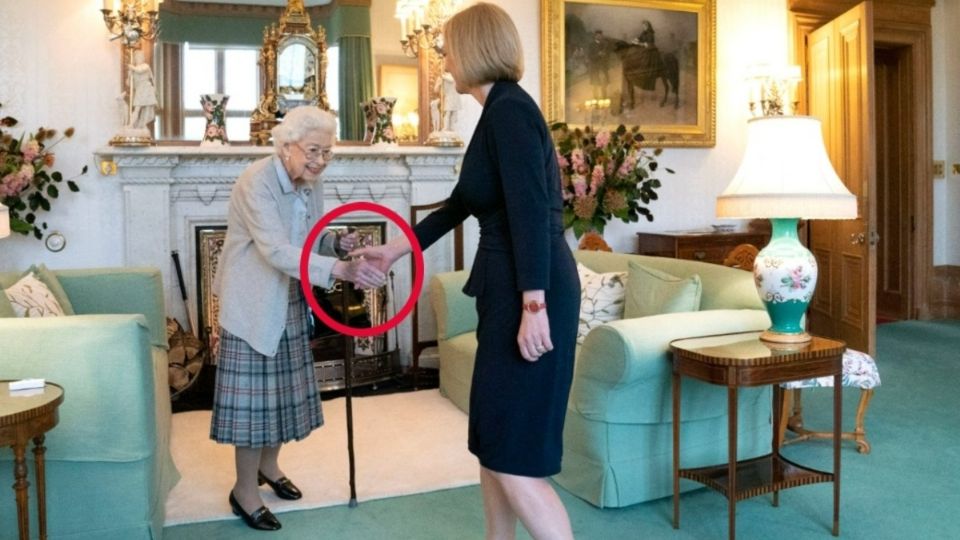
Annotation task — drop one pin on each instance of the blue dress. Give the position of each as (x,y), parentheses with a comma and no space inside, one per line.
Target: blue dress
(511,182)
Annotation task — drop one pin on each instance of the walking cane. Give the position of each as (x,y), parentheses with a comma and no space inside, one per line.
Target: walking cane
(348,377)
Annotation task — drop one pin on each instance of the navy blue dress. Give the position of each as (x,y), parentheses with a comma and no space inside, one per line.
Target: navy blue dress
(510,181)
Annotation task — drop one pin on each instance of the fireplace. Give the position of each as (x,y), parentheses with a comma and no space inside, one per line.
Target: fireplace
(175,198)
(373,360)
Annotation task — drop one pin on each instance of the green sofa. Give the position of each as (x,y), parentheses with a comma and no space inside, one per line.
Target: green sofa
(108,462)
(618,447)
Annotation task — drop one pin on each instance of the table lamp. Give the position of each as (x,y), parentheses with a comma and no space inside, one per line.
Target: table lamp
(4,221)
(786,176)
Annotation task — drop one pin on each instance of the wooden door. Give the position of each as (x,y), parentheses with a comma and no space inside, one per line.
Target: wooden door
(840,92)
(894,200)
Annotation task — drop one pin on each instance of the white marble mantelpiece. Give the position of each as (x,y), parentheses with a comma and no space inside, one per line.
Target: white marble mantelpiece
(169,191)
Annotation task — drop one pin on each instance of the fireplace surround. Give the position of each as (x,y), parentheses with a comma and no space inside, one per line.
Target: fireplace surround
(169,192)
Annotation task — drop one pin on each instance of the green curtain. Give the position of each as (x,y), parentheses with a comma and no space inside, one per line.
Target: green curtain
(356,84)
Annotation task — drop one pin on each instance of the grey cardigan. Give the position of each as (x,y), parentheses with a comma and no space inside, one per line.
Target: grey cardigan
(265,234)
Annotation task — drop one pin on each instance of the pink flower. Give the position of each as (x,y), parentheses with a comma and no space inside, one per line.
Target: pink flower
(579,185)
(603,138)
(576,157)
(30,149)
(627,166)
(12,184)
(596,178)
(797,278)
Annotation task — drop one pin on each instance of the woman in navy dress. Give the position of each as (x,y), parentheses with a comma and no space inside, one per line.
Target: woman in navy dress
(524,278)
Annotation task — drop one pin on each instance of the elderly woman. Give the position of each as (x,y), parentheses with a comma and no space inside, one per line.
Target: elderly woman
(266,391)
(524,278)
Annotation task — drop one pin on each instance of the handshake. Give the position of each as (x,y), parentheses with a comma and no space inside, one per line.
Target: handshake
(368,266)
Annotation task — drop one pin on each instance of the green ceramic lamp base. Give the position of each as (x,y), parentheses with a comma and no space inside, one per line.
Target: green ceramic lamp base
(785,273)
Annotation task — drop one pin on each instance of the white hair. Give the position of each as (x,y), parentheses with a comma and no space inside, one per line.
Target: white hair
(301,120)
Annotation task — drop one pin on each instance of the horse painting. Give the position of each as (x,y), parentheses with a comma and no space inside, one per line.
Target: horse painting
(643,67)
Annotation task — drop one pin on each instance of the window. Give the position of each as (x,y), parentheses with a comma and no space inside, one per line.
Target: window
(207,69)
(219,70)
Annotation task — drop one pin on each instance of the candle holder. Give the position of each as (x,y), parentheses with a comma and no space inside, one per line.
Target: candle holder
(421,37)
(132,22)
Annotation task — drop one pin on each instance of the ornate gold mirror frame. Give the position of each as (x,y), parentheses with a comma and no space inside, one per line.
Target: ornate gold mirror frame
(294,27)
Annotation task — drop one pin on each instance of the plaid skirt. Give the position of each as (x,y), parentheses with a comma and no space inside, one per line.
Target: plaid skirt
(262,401)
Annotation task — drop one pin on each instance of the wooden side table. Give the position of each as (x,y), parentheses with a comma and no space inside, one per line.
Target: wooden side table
(705,246)
(736,360)
(26,415)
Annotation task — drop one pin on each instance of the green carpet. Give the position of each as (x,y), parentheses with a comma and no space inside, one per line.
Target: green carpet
(904,489)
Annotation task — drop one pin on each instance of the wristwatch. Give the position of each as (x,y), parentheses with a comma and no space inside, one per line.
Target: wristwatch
(534,307)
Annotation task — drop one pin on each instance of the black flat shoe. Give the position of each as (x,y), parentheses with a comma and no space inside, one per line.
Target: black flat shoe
(261,519)
(283,487)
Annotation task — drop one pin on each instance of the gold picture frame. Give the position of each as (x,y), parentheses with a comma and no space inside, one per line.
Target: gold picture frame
(596,53)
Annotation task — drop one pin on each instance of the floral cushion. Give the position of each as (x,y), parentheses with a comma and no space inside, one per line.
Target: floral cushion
(29,297)
(859,370)
(601,298)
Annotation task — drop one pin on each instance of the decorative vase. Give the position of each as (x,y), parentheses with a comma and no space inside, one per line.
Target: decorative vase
(785,273)
(214,110)
(379,115)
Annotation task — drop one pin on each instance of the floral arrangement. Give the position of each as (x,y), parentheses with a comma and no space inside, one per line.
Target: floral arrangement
(606,174)
(27,185)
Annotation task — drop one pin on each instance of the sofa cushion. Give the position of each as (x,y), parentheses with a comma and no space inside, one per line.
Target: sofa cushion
(30,297)
(652,292)
(601,299)
(50,282)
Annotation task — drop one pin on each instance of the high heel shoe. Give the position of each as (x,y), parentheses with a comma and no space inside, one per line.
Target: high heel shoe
(261,519)
(283,487)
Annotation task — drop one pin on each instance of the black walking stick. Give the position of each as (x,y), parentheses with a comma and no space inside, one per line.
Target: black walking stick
(348,377)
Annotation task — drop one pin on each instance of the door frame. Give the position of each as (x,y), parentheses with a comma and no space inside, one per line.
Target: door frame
(897,24)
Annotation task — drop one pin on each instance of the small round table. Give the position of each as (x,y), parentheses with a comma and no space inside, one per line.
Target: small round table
(26,415)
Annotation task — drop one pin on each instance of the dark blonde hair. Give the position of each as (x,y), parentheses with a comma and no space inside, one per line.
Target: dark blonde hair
(485,44)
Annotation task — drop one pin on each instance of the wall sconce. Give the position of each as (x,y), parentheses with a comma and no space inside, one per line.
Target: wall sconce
(131,20)
(421,23)
(773,90)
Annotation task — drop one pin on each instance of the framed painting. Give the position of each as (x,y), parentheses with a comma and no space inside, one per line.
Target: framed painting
(649,63)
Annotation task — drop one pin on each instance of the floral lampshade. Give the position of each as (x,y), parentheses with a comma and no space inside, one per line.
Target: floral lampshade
(4,221)
(786,175)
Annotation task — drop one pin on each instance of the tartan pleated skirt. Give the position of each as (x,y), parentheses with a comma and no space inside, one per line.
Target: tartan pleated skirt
(264,401)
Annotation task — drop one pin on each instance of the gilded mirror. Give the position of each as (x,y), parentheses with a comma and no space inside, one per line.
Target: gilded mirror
(293,67)
(206,47)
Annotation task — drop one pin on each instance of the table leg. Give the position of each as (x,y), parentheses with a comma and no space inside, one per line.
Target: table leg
(837,416)
(20,485)
(676,450)
(777,412)
(38,453)
(732,459)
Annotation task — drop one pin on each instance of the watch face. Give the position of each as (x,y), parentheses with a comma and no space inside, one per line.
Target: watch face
(55,241)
